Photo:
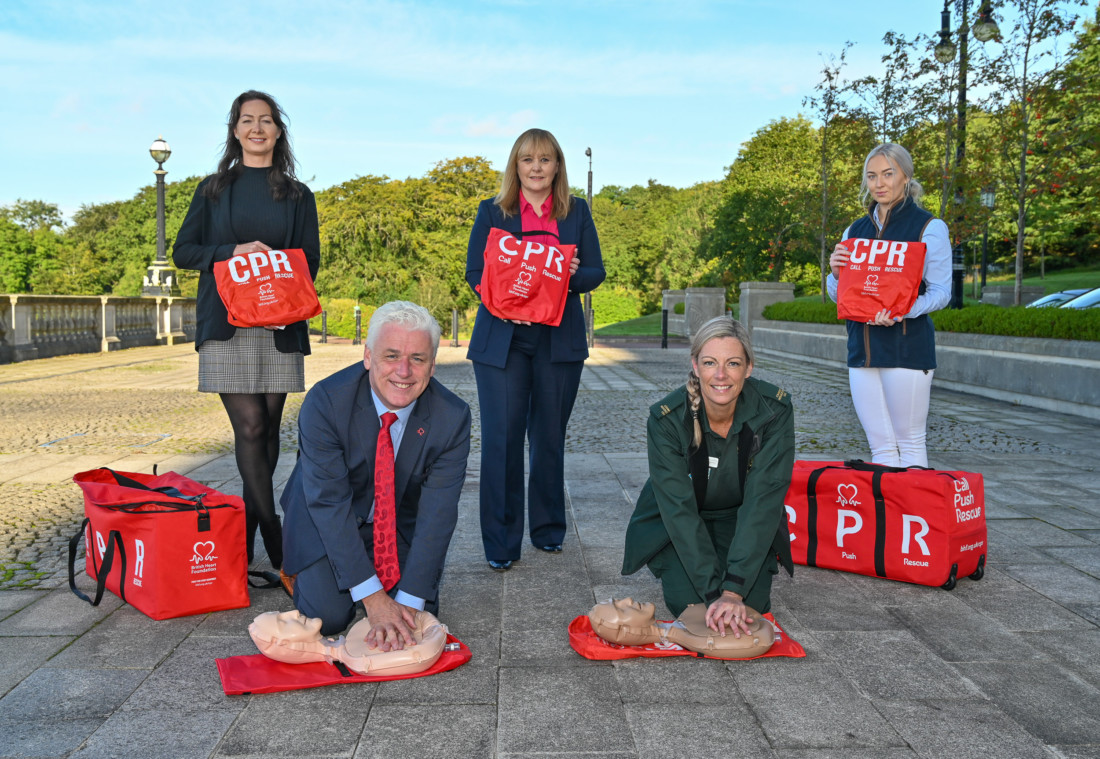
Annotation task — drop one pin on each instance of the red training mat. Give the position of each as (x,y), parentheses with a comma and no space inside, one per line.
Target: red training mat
(591,646)
(242,675)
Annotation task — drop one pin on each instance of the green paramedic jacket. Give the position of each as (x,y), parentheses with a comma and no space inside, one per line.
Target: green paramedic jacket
(667,512)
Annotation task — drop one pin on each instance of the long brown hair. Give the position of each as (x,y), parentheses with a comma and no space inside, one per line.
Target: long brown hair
(534,141)
(281,178)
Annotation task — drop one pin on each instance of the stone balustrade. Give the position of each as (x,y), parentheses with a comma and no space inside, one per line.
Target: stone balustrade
(40,326)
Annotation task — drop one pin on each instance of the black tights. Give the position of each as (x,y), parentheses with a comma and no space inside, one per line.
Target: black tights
(256,418)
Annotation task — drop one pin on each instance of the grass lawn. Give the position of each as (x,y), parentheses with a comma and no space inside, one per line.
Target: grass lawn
(1066,279)
(643,326)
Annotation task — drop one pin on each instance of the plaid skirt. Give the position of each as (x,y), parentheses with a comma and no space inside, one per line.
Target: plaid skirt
(249,362)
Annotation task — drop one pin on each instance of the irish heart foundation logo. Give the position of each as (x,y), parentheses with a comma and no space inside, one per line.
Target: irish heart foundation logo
(846,495)
(204,551)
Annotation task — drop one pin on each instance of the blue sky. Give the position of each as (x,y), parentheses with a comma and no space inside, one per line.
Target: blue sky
(661,90)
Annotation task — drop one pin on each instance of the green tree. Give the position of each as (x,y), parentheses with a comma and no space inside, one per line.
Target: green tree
(770,193)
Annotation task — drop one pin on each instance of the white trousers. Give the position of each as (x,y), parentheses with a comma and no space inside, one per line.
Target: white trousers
(892,406)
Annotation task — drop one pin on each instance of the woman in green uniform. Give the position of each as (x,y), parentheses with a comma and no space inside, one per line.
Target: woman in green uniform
(710,522)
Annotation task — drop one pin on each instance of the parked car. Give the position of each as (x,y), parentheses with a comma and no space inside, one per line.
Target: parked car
(1057,299)
(1091,299)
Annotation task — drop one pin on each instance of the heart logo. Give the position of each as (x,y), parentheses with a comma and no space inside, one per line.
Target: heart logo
(847,494)
(204,551)
(872,280)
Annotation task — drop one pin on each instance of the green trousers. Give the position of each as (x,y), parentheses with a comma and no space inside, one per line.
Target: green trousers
(678,589)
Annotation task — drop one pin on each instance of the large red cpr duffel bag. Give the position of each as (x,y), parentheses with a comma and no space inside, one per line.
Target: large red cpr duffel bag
(166,545)
(911,524)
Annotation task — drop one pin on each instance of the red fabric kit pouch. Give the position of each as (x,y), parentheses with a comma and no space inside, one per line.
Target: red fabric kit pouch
(256,673)
(267,288)
(591,646)
(880,274)
(526,280)
(916,525)
(164,544)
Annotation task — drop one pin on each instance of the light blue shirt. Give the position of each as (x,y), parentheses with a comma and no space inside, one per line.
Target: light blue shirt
(937,269)
(397,432)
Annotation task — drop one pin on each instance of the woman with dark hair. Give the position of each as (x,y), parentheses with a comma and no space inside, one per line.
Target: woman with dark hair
(892,358)
(253,202)
(710,522)
(528,374)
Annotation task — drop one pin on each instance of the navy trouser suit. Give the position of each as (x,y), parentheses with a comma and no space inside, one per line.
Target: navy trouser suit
(527,380)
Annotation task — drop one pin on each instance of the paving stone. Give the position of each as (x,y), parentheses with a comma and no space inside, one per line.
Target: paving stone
(803,704)
(1060,583)
(1016,606)
(893,664)
(536,705)
(1075,649)
(961,729)
(675,680)
(188,681)
(428,732)
(158,734)
(1045,699)
(956,632)
(316,722)
(662,732)
(126,639)
(59,613)
(44,739)
(70,694)
(19,657)
(14,600)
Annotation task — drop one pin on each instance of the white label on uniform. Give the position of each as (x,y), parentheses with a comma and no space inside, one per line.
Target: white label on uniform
(712,462)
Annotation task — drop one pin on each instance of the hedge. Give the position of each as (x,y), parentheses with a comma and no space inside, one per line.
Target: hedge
(611,305)
(341,317)
(1016,321)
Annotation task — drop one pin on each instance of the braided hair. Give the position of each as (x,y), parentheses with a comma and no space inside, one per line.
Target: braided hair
(719,326)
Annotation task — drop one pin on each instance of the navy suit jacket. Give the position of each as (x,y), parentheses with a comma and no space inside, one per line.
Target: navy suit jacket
(568,342)
(206,237)
(330,492)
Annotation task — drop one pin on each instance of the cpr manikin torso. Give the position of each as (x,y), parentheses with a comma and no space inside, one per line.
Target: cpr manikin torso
(294,638)
(629,623)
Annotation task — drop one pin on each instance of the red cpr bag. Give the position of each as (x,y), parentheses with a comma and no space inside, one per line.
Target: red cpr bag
(880,274)
(525,280)
(915,525)
(166,545)
(267,288)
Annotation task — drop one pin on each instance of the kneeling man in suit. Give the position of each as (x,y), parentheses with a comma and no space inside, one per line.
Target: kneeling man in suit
(382,458)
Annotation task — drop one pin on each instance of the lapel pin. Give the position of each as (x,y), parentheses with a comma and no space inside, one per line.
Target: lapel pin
(420,432)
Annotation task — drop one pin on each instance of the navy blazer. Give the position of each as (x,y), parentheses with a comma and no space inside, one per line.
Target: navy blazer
(206,237)
(331,490)
(568,342)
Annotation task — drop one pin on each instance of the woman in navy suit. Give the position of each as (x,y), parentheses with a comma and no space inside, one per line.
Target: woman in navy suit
(528,374)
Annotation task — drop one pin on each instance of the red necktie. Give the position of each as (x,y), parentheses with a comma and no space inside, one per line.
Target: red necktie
(385,507)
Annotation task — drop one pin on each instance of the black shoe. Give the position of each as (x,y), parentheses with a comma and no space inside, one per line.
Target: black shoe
(500,566)
(552,548)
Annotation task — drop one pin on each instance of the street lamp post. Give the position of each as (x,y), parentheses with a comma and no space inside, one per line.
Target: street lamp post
(589,321)
(160,277)
(989,200)
(984,30)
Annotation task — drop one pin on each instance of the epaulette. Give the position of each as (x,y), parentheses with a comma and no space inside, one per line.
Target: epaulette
(671,402)
(773,393)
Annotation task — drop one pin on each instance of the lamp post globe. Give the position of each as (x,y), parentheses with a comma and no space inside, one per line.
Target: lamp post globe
(160,151)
